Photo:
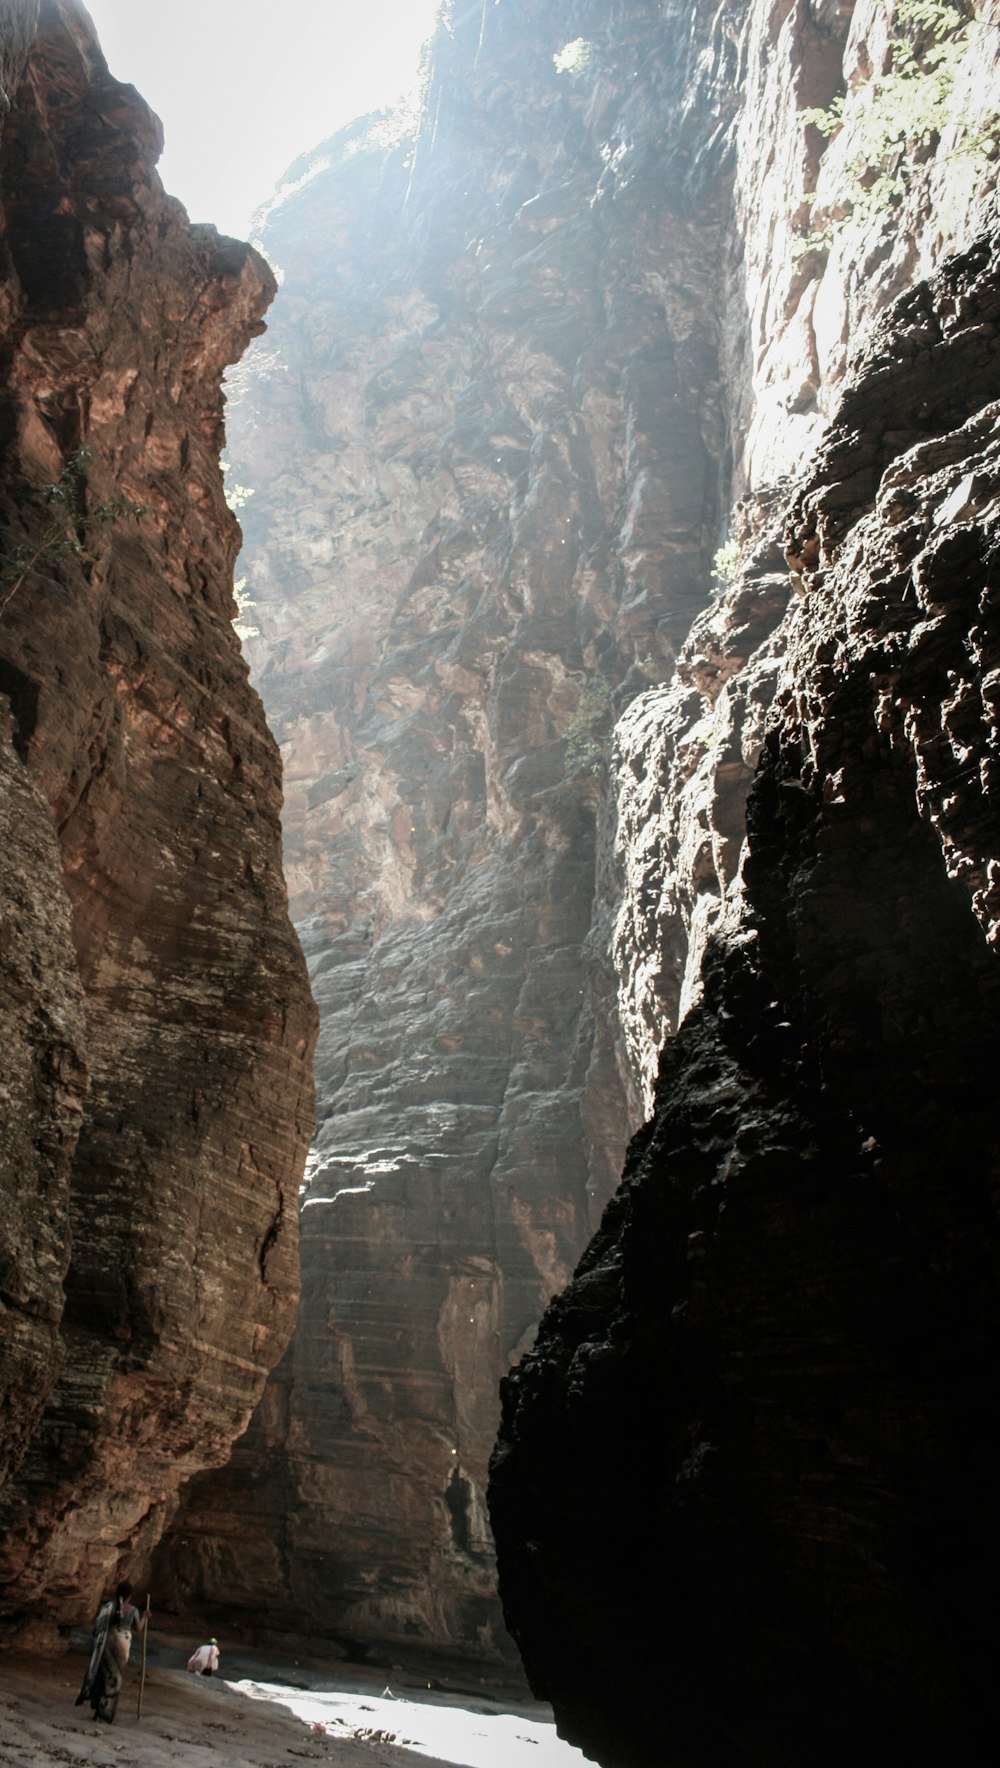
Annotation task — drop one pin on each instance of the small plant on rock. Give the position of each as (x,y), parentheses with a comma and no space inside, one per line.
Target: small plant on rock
(576,58)
(895,115)
(63,533)
(585,736)
(725,564)
(245,609)
(237,496)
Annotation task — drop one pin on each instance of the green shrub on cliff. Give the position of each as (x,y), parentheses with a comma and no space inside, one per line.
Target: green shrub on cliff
(576,58)
(725,564)
(585,736)
(896,115)
(64,531)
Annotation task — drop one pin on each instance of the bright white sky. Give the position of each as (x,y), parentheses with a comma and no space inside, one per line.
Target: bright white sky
(242,87)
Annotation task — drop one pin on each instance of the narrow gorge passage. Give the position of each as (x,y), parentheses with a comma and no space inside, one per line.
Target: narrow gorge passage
(614,619)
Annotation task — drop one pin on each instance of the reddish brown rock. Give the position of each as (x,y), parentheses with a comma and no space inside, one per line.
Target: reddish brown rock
(520,368)
(43,1088)
(162,1074)
(480,438)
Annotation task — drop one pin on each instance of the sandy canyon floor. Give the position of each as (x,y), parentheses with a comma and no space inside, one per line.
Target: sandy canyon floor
(259,1714)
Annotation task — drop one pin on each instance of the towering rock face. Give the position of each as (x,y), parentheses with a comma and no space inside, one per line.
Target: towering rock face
(483,441)
(157,1020)
(799,1275)
(528,371)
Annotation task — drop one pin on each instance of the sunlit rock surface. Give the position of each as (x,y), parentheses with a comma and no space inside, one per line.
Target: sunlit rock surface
(528,371)
(482,441)
(157,1022)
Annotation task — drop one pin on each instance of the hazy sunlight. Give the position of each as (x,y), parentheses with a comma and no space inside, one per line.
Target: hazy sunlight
(244,86)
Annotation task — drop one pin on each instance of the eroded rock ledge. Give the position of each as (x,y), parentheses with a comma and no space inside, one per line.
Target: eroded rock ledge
(796,1288)
(157,1019)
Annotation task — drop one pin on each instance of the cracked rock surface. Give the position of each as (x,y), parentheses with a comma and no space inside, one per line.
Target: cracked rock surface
(157,1018)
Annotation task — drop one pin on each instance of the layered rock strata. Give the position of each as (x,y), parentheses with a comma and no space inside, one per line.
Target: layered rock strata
(156,1095)
(44,1086)
(482,443)
(522,366)
(798,1276)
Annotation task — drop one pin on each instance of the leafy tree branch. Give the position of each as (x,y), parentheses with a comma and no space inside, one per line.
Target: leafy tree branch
(893,118)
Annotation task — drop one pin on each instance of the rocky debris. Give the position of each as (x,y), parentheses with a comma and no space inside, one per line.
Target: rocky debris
(157,1014)
(798,1278)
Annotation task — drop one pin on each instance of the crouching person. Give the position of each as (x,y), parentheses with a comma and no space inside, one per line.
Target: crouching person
(205,1661)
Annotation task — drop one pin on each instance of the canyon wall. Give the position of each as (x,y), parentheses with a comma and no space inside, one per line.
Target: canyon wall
(799,1274)
(536,357)
(798,1277)
(483,442)
(157,1020)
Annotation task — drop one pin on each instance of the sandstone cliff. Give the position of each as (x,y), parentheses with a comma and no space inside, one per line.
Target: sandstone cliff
(531,366)
(799,1274)
(157,1020)
(483,446)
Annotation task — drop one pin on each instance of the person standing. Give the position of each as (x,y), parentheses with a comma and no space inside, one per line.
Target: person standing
(111,1641)
(205,1661)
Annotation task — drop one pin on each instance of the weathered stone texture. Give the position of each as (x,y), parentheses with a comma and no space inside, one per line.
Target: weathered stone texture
(482,437)
(43,1086)
(790,319)
(798,1276)
(520,367)
(808,274)
(162,1004)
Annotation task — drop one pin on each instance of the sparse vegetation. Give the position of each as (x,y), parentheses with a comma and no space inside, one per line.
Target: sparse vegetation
(245,605)
(725,564)
(703,732)
(894,116)
(237,496)
(585,736)
(576,58)
(64,532)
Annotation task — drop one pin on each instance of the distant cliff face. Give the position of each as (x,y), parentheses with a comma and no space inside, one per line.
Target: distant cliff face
(528,371)
(157,1020)
(483,438)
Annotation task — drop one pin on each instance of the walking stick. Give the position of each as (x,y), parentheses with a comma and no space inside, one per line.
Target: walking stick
(142,1678)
